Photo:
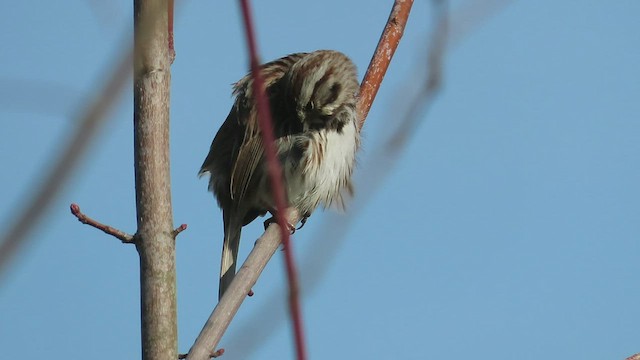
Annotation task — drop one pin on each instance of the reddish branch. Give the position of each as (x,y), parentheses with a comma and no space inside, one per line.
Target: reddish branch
(275,175)
(172,50)
(387,46)
(121,235)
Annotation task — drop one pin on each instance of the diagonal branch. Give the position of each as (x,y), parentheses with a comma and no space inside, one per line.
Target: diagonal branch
(237,291)
(387,45)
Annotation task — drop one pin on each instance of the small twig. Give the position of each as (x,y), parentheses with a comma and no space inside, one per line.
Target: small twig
(121,235)
(422,98)
(179,229)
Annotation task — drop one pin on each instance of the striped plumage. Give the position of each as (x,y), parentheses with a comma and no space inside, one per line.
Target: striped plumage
(313,103)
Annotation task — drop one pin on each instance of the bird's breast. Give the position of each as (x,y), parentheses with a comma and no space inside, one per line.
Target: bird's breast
(328,163)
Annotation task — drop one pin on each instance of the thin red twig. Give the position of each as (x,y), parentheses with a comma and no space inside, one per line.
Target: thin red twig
(275,175)
(121,235)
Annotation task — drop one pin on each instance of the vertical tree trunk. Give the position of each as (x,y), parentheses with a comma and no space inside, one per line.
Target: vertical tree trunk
(155,238)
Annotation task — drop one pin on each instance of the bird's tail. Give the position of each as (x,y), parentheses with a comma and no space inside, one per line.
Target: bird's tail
(230,247)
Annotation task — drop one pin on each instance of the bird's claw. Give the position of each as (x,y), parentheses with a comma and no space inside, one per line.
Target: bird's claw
(272,220)
(303,221)
(291,227)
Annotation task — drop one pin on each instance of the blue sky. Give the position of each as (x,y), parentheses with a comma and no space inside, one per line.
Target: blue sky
(508,228)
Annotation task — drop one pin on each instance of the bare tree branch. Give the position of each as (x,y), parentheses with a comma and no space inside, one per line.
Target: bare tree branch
(420,100)
(155,236)
(387,45)
(36,97)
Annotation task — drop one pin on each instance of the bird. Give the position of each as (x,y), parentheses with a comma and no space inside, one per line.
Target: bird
(313,99)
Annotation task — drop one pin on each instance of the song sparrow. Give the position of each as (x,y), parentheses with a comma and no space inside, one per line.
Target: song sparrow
(313,104)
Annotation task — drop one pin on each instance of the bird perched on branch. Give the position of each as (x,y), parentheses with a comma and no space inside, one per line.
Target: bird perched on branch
(313,104)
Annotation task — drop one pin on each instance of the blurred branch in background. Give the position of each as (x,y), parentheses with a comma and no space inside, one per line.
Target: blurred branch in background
(387,45)
(104,11)
(46,188)
(424,83)
(36,97)
(473,14)
(91,114)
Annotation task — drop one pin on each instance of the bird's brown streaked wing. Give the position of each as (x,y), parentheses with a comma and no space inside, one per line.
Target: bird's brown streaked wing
(249,156)
(223,146)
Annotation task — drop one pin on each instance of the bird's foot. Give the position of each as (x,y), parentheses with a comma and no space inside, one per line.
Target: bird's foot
(272,220)
(303,221)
